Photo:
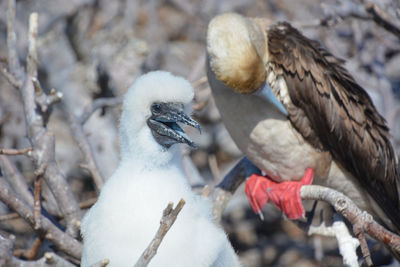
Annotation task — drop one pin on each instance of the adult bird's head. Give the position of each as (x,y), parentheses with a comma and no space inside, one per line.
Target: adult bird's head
(154,106)
(236,52)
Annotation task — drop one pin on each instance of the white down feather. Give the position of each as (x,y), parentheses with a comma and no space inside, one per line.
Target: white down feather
(126,216)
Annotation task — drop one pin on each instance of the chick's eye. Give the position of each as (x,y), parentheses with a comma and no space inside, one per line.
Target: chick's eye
(156,108)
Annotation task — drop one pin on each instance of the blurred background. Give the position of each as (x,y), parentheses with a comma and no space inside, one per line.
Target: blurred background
(92,49)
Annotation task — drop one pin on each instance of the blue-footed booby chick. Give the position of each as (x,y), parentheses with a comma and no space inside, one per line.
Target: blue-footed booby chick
(127,214)
(298,114)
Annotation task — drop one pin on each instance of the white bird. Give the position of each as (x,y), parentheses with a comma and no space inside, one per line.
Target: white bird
(126,216)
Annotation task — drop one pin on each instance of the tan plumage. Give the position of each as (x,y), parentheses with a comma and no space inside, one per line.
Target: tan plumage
(331,126)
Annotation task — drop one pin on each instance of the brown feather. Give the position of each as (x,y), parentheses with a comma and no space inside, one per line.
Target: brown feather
(333,112)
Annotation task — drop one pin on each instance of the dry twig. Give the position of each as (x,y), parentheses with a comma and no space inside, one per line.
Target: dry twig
(37,210)
(346,242)
(101,263)
(83,205)
(41,140)
(360,220)
(348,9)
(13,152)
(383,19)
(97,104)
(29,254)
(9,216)
(10,78)
(47,229)
(15,179)
(85,147)
(168,218)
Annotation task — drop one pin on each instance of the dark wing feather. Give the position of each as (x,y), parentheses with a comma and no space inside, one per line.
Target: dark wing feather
(334,113)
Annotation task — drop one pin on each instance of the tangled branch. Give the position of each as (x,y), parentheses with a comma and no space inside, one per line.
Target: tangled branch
(41,139)
(360,220)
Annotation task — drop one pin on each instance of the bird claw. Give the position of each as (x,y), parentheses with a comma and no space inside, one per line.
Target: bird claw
(285,195)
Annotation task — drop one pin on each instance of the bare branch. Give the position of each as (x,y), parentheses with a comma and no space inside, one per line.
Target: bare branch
(101,263)
(88,203)
(42,141)
(13,61)
(346,242)
(47,229)
(334,13)
(359,232)
(99,103)
(383,19)
(37,210)
(49,259)
(6,248)
(32,57)
(85,147)
(168,218)
(29,254)
(13,152)
(10,78)
(361,220)
(9,216)
(347,9)
(45,101)
(15,179)
(83,205)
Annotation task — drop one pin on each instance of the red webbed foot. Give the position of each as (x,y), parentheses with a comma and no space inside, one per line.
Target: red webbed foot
(285,195)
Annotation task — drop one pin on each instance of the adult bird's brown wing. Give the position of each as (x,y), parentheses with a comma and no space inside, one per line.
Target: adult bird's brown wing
(334,113)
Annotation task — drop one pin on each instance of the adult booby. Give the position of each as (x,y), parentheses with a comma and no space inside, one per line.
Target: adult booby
(296,113)
(126,216)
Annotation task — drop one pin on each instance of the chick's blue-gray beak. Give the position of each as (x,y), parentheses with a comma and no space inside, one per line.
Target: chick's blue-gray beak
(164,124)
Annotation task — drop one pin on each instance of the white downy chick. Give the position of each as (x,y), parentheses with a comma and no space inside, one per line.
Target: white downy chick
(127,214)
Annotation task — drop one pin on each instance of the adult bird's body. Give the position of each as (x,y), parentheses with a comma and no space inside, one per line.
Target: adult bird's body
(291,106)
(126,216)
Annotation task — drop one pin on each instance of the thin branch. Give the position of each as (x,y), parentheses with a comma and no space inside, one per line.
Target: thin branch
(88,203)
(346,242)
(85,147)
(9,216)
(361,220)
(32,57)
(13,152)
(45,101)
(347,9)
(9,77)
(359,232)
(101,263)
(168,218)
(41,140)
(334,13)
(15,179)
(13,61)
(29,254)
(383,19)
(83,205)
(49,259)
(37,211)
(19,185)
(6,248)
(48,230)
(97,104)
